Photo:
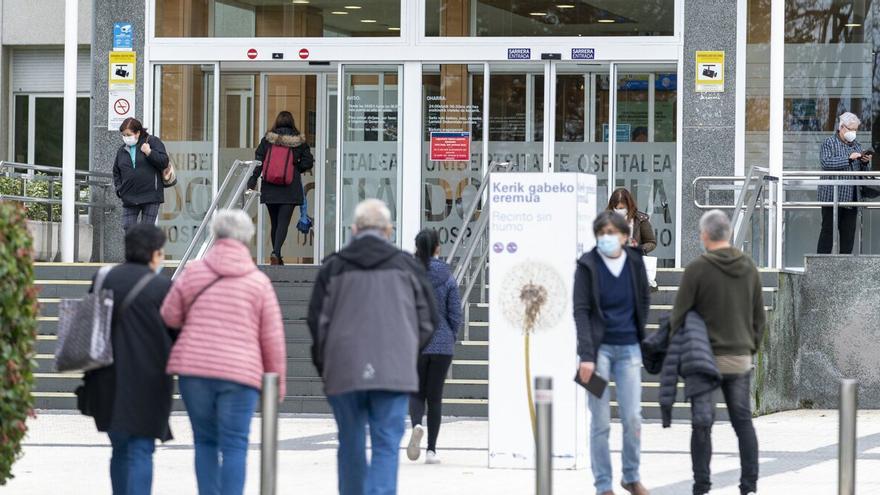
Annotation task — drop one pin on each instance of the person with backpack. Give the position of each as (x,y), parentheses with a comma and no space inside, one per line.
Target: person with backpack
(284,155)
(130,400)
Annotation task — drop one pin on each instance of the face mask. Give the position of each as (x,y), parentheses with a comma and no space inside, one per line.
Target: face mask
(129,140)
(609,245)
(849,136)
(621,211)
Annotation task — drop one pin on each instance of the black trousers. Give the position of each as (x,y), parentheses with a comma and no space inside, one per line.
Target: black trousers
(279,224)
(847,220)
(737,395)
(432,374)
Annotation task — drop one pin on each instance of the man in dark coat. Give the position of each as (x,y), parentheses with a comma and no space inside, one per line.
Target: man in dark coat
(131,399)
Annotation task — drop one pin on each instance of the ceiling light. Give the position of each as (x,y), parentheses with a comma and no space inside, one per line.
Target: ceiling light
(852,25)
(565,6)
(300,2)
(607,21)
(538,14)
(394,29)
(353,7)
(368,21)
(339,12)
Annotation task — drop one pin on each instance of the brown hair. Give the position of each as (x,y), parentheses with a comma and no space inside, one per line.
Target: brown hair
(133,125)
(622,195)
(285,119)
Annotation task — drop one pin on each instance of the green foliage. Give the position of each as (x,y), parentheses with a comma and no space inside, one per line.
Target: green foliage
(18,331)
(35,188)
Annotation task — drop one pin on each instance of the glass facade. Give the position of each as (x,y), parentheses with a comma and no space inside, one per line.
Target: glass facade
(542,18)
(277,18)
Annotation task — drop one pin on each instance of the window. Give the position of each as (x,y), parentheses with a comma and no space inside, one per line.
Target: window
(39,133)
(542,18)
(277,18)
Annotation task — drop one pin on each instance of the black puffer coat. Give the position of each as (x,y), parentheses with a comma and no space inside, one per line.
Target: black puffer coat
(303,160)
(140,183)
(690,356)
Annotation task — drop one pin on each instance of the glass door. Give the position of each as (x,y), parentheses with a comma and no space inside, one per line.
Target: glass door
(368,142)
(516,114)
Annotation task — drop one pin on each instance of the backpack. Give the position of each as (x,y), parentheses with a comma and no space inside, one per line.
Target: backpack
(278,168)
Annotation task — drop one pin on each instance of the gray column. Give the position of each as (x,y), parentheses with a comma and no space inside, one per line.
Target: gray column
(105,143)
(708,119)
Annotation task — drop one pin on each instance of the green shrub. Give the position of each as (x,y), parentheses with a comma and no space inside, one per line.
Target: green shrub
(18,331)
(14,186)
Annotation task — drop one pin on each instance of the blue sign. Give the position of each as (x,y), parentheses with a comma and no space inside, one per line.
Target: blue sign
(624,133)
(519,54)
(122,36)
(583,53)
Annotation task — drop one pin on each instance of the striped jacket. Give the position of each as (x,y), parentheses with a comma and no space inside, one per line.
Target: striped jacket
(233,331)
(835,156)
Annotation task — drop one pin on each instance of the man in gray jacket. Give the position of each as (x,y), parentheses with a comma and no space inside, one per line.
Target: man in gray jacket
(371,313)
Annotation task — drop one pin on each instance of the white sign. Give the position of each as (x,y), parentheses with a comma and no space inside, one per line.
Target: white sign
(120,106)
(540,224)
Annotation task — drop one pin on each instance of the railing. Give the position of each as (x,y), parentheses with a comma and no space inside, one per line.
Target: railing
(792,181)
(232,193)
(87,184)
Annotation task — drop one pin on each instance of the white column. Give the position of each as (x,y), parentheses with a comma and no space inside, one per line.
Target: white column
(410,163)
(777,94)
(741,32)
(68,192)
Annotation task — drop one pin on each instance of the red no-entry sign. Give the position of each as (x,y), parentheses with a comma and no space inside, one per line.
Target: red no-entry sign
(304,53)
(252,53)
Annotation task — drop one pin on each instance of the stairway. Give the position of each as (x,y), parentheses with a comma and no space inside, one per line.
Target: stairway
(467,388)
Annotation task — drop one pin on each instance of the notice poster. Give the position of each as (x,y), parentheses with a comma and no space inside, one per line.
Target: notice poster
(451,146)
(710,72)
(540,224)
(120,88)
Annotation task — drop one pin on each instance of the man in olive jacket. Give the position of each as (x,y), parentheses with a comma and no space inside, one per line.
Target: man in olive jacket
(371,313)
(724,287)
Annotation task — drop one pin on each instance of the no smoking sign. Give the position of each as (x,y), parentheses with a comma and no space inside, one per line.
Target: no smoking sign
(121,106)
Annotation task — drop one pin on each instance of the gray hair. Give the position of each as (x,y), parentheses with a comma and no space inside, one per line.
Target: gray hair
(372,214)
(233,224)
(716,225)
(849,120)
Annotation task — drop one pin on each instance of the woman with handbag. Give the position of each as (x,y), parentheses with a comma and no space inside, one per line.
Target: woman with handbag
(230,335)
(284,156)
(140,174)
(623,203)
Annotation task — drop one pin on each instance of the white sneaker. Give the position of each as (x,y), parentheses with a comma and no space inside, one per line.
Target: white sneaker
(431,457)
(414,449)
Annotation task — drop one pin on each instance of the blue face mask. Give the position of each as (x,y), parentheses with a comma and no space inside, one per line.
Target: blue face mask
(609,245)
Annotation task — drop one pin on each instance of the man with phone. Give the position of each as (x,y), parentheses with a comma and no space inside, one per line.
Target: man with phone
(841,152)
(611,302)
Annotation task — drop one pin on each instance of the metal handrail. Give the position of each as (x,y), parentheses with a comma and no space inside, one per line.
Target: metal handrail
(53,169)
(239,188)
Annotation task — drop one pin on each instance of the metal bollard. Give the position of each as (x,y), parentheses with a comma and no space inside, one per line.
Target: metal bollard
(846,456)
(544,435)
(269,444)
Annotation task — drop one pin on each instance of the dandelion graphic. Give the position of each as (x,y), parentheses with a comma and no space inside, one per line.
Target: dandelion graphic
(533,298)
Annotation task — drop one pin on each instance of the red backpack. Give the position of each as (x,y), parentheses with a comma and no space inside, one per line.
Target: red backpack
(278,167)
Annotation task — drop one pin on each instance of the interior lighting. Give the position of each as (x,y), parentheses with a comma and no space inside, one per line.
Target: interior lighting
(339,12)
(607,21)
(565,6)
(394,29)
(300,2)
(353,7)
(538,14)
(852,25)
(368,21)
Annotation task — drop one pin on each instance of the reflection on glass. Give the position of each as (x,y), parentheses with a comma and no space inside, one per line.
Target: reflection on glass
(277,18)
(452,153)
(328,214)
(182,118)
(558,18)
(370,147)
(512,120)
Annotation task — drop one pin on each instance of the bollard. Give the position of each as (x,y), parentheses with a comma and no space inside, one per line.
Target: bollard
(269,444)
(846,456)
(544,435)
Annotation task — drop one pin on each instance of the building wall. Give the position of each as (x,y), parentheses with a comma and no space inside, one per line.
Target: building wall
(41,22)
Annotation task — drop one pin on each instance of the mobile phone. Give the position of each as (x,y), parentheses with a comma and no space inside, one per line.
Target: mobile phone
(596,385)
(868,153)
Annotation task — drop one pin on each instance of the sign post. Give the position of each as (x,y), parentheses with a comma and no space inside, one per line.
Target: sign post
(540,225)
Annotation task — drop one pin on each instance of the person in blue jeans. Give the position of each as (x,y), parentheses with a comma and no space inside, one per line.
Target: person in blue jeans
(371,313)
(611,303)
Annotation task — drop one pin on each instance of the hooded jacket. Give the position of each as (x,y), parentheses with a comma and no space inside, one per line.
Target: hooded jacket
(690,356)
(303,161)
(448,302)
(231,330)
(588,318)
(724,287)
(140,183)
(371,312)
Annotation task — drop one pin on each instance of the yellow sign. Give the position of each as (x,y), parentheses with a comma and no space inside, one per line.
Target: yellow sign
(122,66)
(710,72)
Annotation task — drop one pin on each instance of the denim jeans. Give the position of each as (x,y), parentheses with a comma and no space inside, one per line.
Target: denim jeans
(131,467)
(737,395)
(220,412)
(385,413)
(623,364)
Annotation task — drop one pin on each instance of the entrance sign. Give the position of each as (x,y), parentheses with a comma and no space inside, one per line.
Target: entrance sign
(540,224)
(710,72)
(120,88)
(451,146)
(519,54)
(583,53)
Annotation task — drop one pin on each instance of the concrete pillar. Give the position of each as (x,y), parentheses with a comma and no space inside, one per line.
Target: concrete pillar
(104,142)
(708,119)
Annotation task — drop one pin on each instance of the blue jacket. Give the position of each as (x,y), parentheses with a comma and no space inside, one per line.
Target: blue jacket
(448,309)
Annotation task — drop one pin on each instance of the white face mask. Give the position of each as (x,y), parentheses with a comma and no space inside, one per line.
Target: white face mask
(129,140)
(621,211)
(849,136)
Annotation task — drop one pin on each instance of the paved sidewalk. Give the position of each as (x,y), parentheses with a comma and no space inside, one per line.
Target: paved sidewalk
(64,454)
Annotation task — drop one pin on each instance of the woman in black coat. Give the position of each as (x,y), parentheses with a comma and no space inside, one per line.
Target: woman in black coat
(137,174)
(130,400)
(281,200)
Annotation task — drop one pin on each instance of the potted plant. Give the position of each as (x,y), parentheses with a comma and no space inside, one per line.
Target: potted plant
(18,331)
